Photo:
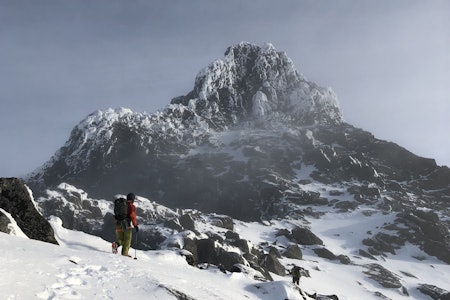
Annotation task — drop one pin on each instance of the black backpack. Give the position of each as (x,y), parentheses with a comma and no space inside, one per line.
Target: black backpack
(296,271)
(120,209)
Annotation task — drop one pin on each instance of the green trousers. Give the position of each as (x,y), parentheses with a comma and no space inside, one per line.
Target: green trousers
(123,238)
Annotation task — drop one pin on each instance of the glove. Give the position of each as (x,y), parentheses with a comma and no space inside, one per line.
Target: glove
(137,228)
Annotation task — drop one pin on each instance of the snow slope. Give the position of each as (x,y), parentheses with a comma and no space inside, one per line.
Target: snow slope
(82,267)
(342,234)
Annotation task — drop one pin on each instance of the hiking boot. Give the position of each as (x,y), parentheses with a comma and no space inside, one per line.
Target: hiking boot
(114,247)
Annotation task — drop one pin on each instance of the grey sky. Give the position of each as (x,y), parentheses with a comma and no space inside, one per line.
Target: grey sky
(387,60)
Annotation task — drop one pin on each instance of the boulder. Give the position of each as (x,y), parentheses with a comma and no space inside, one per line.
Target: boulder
(293,251)
(325,253)
(190,245)
(274,252)
(272,264)
(231,235)
(284,232)
(222,221)
(173,224)
(15,199)
(4,222)
(344,259)
(187,222)
(229,259)
(304,236)
(241,244)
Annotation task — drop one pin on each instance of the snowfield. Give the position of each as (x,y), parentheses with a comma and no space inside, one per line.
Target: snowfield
(83,267)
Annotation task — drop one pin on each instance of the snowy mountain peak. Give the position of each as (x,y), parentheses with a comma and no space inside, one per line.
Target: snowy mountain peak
(252,82)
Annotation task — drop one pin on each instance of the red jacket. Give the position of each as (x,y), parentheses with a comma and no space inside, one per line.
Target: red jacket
(132,213)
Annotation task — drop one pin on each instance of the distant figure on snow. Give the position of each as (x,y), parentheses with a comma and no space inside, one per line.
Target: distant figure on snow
(125,215)
(295,272)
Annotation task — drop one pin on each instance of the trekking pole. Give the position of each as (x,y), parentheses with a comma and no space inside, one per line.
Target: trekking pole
(135,245)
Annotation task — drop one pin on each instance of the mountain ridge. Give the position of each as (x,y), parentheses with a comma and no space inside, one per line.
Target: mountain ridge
(277,94)
(253,141)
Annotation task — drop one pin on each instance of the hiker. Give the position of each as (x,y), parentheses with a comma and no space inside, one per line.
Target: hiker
(295,272)
(125,215)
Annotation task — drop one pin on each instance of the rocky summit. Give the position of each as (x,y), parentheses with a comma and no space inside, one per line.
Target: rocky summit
(253,141)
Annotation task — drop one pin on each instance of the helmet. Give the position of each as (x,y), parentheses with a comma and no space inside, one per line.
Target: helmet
(131,197)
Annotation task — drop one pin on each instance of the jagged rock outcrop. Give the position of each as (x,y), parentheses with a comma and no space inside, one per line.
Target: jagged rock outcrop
(15,198)
(427,230)
(252,81)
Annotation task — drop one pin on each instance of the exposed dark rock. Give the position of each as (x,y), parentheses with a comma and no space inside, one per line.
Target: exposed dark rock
(408,274)
(366,254)
(222,221)
(187,222)
(383,242)
(215,237)
(229,259)
(437,179)
(284,232)
(381,295)
(108,228)
(344,259)
(308,198)
(347,205)
(207,252)
(293,251)
(336,193)
(372,192)
(304,236)
(16,200)
(429,232)
(173,224)
(373,251)
(274,252)
(445,296)
(395,186)
(76,212)
(177,294)
(272,264)
(438,249)
(325,253)
(4,222)
(383,276)
(231,235)
(241,244)
(433,291)
(191,246)
(151,240)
